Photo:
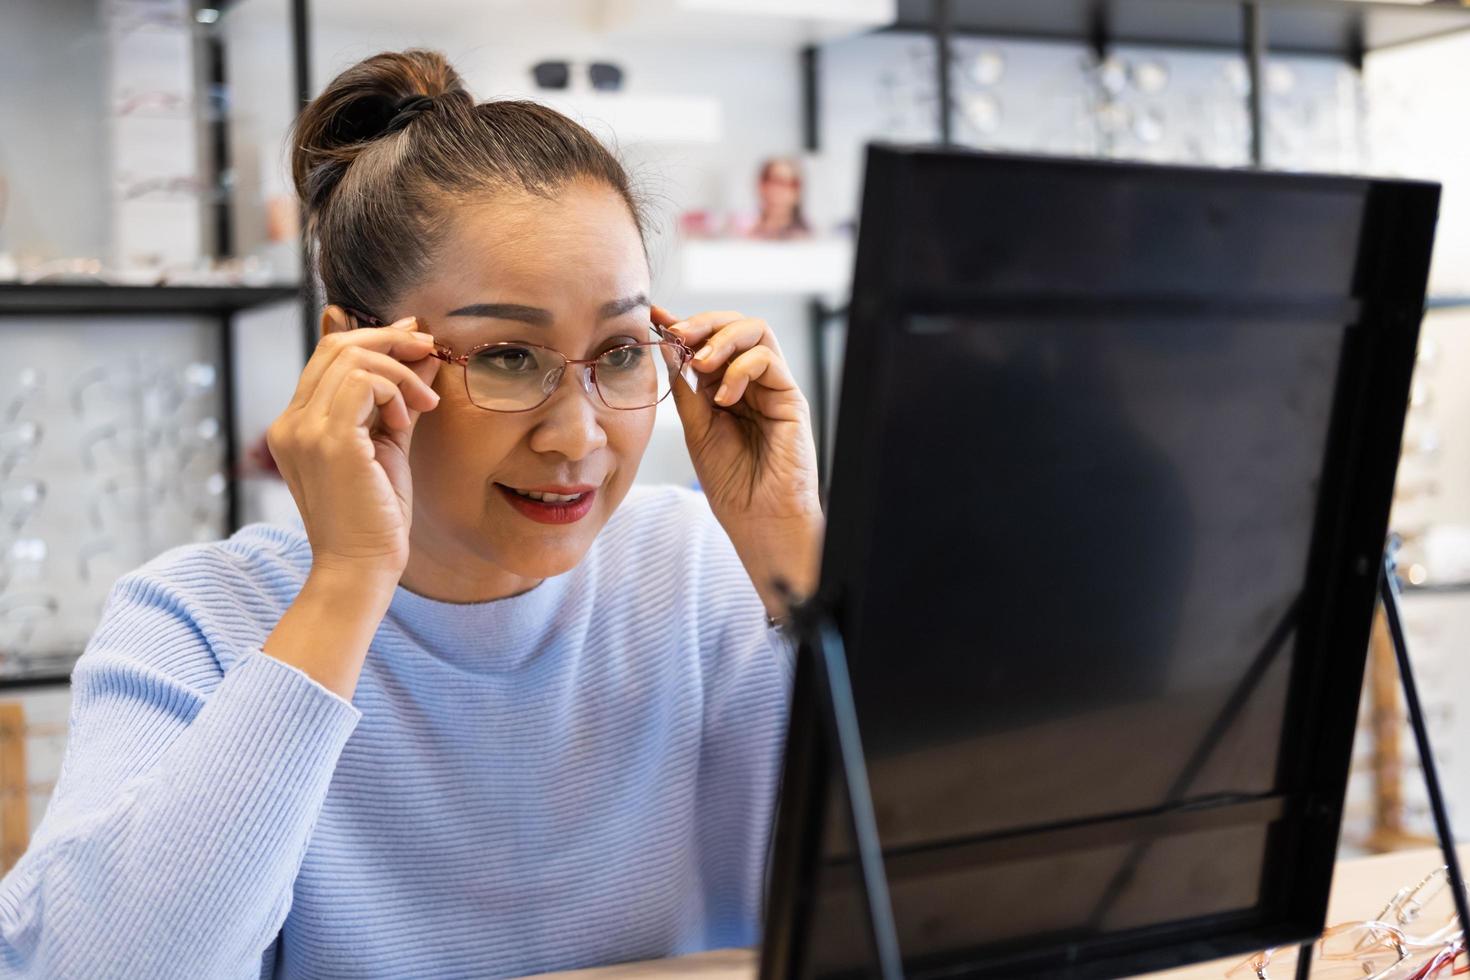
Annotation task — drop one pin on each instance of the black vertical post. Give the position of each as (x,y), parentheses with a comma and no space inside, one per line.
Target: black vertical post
(1304,962)
(1255,60)
(811,106)
(837,705)
(221,187)
(227,420)
(817,316)
(301,62)
(942,28)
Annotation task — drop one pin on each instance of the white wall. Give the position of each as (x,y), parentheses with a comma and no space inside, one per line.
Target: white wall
(53,137)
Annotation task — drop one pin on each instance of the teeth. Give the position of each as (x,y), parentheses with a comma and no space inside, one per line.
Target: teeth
(550,498)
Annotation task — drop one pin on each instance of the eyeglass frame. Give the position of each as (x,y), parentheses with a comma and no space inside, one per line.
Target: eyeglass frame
(1379,927)
(1388,937)
(463,360)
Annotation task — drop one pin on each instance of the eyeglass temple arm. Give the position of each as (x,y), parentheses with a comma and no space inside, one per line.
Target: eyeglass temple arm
(663,333)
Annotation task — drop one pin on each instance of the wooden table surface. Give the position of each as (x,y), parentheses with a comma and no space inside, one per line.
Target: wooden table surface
(1360,886)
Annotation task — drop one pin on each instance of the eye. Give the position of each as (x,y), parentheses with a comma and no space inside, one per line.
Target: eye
(507,360)
(623,358)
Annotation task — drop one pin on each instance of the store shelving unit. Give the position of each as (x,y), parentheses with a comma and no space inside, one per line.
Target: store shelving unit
(1344,29)
(218,302)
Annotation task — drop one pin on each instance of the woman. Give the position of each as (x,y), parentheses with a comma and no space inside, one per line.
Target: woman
(780,196)
(490,710)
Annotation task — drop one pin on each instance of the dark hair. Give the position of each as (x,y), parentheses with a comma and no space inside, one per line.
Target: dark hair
(380,156)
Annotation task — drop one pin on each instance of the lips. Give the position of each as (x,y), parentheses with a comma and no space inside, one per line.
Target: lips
(550,504)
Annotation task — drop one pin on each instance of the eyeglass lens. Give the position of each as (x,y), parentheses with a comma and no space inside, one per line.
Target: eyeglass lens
(514,377)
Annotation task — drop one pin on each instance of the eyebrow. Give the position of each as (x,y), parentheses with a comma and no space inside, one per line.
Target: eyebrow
(542,317)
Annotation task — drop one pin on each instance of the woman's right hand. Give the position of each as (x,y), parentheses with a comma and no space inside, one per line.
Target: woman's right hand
(342,445)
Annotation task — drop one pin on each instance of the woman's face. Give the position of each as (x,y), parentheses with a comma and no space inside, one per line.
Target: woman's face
(780,187)
(569,273)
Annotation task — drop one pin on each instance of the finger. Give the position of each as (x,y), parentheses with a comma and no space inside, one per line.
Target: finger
(427,370)
(417,394)
(360,395)
(695,411)
(661,317)
(729,340)
(694,330)
(759,365)
(401,341)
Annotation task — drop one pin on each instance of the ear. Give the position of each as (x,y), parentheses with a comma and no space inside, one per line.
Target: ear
(335,319)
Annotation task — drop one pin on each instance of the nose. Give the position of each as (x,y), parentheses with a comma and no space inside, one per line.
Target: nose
(570,422)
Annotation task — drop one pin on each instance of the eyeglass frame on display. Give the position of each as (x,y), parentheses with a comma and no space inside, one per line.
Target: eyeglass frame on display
(1379,928)
(604,76)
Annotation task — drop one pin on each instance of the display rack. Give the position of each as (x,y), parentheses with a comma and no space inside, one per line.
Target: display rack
(1343,29)
(219,302)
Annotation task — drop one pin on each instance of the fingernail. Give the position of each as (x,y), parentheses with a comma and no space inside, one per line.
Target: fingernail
(722,392)
(704,352)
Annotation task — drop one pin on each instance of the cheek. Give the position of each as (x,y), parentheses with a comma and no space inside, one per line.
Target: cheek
(628,437)
(457,446)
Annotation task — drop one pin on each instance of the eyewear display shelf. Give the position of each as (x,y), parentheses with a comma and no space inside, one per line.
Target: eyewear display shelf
(1346,29)
(221,302)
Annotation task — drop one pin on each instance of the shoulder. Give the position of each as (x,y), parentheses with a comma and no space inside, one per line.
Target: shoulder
(262,557)
(199,607)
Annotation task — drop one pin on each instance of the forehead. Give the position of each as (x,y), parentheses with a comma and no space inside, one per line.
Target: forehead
(578,246)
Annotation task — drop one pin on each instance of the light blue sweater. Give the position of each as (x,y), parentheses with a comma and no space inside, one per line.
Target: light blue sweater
(580,774)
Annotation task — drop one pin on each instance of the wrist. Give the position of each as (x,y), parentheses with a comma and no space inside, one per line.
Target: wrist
(355,584)
(788,552)
(326,631)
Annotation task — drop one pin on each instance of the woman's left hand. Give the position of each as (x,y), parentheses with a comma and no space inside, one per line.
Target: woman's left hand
(749,434)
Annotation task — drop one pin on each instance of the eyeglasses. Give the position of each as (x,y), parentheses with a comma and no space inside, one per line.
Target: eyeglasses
(1415,936)
(604,77)
(511,376)
(1353,951)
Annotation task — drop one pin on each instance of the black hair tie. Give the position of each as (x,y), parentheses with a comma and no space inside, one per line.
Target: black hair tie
(408,109)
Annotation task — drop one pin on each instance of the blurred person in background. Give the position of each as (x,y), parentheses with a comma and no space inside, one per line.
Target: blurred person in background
(779,190)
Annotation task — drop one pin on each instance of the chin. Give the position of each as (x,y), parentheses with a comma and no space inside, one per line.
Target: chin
(541,562)
(541,553)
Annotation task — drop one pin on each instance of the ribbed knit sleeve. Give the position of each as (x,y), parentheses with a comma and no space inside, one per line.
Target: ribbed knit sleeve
(185,803)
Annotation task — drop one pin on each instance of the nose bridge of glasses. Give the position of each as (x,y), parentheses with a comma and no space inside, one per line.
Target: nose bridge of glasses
(585,370)
(552,379)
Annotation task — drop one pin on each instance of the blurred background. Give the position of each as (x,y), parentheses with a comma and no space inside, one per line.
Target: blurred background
(154,315)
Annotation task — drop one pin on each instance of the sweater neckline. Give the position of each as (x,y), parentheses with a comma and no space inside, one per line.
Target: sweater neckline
(481,637)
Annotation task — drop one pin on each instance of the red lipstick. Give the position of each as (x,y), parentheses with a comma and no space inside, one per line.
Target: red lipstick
(551,512)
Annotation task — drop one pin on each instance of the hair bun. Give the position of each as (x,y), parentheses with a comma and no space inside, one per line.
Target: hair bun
(374,98)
